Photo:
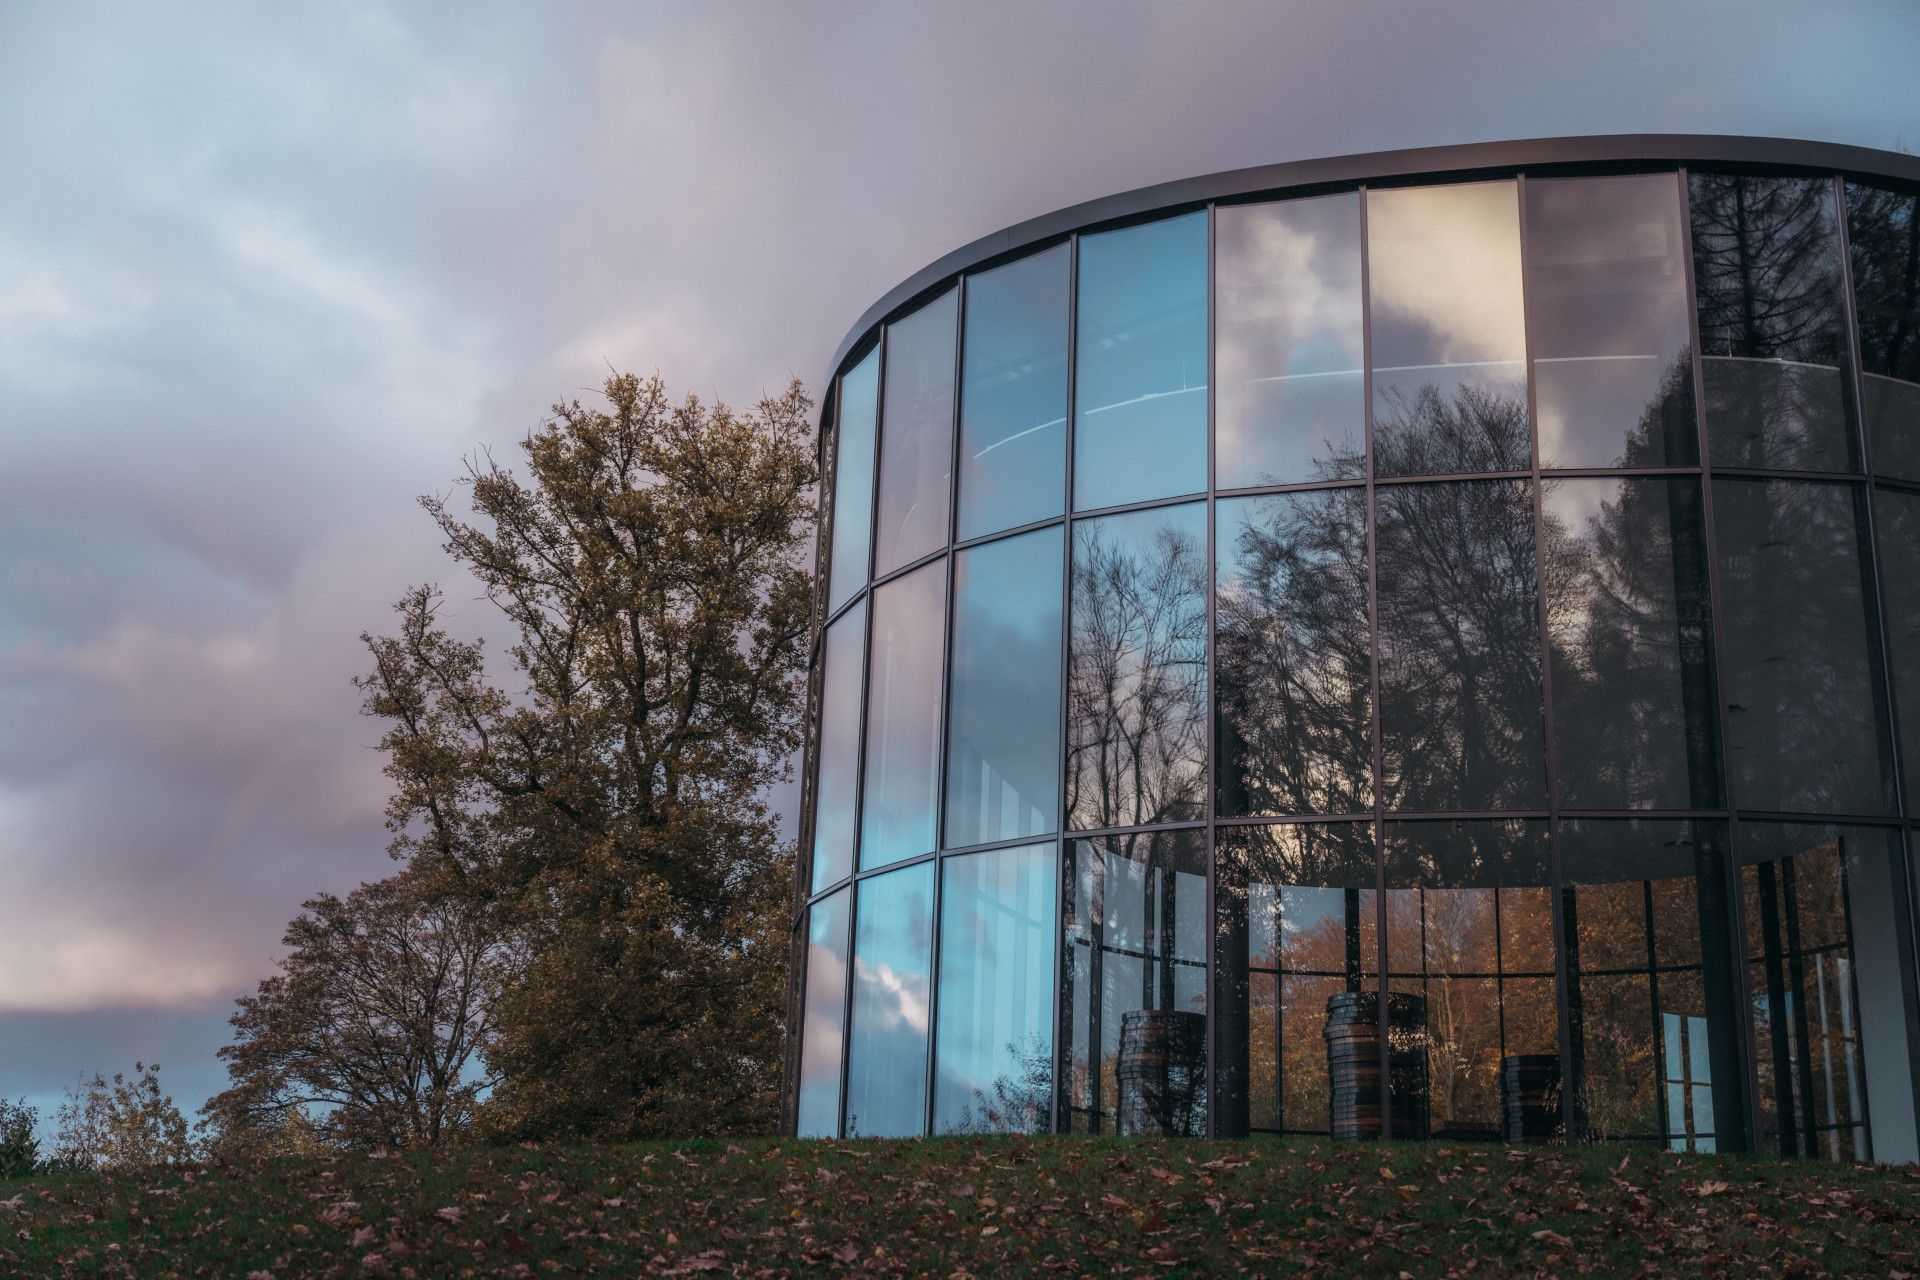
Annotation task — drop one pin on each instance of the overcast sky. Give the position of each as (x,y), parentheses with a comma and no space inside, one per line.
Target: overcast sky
(266,277)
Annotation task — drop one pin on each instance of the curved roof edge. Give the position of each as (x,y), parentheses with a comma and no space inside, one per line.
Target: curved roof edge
(1625,150)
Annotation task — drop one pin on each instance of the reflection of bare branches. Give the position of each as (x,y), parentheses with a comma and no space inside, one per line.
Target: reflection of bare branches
(1018,1100)
(1480,426)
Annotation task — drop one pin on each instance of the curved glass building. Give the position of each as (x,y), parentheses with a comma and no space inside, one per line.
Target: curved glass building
(1486,578)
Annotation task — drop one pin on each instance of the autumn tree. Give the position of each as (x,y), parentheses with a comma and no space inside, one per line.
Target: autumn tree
(19,1144)
(121,1124)
(600,793)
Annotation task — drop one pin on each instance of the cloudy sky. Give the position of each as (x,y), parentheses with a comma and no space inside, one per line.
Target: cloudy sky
(266,275)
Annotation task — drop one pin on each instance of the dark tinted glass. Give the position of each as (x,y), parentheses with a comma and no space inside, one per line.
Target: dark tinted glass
(1898,517)
(1449,331)
(1294,709)
(1013,397)
(1136,984)
(1460,709)
(916,436)
(818,1101)
(1766,261)
(1137,669)
(1807,733)
(1883,236)
(1635,724)
(1607,302)
(1296,934)
(1140,409)
(1292,398)
(994,1050)
(892,989)
(903,718)
(853,480)
(1003,751)
(838,748)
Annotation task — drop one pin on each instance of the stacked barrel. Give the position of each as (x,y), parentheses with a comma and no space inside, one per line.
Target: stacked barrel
(1162,1073)
(1352,1033)
(1530,1097)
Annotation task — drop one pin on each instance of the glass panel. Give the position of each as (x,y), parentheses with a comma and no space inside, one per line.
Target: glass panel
(1460,711)
(1295,914)
(1652,1012)
(1897,515)
(1629,619)
(1449,332)
(1294,710)
(916,444)
(1607,299)
(903,718)
(1013,398)
(1136,984)
(1884,238)
(1831,970)
(1485,1021)
(995,1045)
(1766,260)
(1003,753)
(853,480)
(1140,413)
(1137,669)
(887,1047)
(1808,729)
(825,1019)
(1292,399)
(838,749)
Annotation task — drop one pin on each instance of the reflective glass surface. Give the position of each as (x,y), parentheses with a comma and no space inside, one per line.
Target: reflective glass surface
(1883,237)
(1137,669)
(852,514)
(1607,306)
(1766,262)
(818,1088)
(1803,694)
(1897,515)
(1013,395)
(892,989)
(1140,410)
(1292,399)
(838,748)
(1449,331)
(1630,627)
(1460,704)
(916,436)
(903,718)
(1003,745)
(1294,707)
(994,1049)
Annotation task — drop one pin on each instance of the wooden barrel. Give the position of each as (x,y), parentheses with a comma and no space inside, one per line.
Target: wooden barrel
(1352,1035)
(1530,1097)
(1162,1073)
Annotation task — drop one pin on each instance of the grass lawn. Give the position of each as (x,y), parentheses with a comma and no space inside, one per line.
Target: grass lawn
(982,1207)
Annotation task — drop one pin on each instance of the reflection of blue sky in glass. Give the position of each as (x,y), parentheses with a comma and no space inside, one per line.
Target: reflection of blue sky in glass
(887,1045)
(1013,401)
(1141,352)
(903,717)
(995,1046)
(916,435)
(819,1088)
(853,479)
(839,749)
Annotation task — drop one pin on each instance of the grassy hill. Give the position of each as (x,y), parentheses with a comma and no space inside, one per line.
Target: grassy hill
(979,1207)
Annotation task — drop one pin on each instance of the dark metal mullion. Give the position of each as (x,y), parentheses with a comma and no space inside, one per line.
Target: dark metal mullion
(1063,862)
(1210,979)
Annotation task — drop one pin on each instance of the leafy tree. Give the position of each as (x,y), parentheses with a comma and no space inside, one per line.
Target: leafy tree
(371,1033)
(602,801)
(19,1147)
(121,1124)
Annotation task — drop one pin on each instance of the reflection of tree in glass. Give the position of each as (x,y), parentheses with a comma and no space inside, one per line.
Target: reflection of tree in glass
(1019,1100)
(1480,427)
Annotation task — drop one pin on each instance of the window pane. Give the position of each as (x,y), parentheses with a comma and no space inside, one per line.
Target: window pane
(1292,399)
(1295,914)
(1807,722)
(1140,418)
(1460,710)
(1003,758)
(887,1046)
(903,718)
(1766,260)
(1635,724)
(1137,670)
(1294,663)
(916,443)
(853,480)
(1607,297)
(1898,517)
(1449,332)
(1013,400)
(1136,984)
(1884,236)
(995,1047)
(825,1019)
(838,749)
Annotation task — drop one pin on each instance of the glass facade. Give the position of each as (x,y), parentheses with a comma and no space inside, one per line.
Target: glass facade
(1421,660)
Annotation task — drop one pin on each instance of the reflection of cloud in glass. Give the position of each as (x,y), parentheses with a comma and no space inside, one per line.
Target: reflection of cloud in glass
(895,999)
(1445,274)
